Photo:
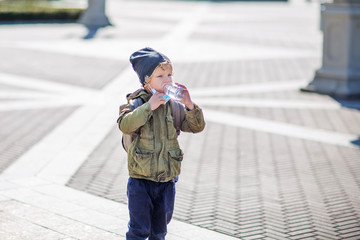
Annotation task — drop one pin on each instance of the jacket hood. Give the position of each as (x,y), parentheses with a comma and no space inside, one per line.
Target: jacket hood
(140,93)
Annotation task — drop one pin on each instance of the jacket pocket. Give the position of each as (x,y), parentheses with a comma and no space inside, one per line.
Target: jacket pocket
(175,158)
(142,163)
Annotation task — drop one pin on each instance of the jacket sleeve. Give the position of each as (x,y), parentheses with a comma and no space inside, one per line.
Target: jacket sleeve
(130,121)
(194,120)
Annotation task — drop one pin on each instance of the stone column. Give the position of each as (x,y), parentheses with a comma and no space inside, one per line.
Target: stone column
(339,75)
(94,16)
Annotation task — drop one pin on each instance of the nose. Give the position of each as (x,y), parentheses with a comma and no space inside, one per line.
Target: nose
(168,79)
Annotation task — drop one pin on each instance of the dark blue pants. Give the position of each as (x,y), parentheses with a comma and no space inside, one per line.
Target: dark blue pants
(151,205)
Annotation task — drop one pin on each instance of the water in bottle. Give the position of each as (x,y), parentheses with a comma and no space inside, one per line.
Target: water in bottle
(174,91)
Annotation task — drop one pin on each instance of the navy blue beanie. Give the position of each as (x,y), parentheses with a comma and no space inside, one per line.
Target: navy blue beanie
(145,61)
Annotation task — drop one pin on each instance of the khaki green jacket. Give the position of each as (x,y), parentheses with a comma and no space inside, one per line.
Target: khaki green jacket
(155,153)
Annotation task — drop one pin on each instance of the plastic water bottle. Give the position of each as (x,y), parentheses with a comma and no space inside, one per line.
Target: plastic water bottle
(174,91)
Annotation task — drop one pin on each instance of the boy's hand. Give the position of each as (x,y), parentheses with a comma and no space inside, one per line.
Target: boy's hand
(187,99)
(156,100)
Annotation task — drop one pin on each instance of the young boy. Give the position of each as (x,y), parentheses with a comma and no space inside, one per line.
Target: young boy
(154,157)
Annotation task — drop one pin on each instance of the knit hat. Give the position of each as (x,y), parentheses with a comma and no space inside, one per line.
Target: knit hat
(145,61)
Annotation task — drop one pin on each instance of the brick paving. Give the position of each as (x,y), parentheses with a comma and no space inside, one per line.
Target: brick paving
(247,71)
(248,184)
(237,179)
(24,129)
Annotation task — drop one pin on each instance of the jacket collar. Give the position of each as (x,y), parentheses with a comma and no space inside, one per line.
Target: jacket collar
(140,93)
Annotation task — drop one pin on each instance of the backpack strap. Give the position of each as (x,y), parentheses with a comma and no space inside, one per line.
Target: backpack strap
(134,103)
(178,113)
(128,139)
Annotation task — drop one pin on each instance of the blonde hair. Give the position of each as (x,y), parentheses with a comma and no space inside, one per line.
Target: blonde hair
(165,65)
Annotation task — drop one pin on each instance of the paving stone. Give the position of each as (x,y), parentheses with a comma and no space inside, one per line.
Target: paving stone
(303,236)
(326,229)
(17,223)
(353,238)
(350,235)
(348,226)
(326,235)
(259,236)
(82,231)
(350,230)
(300,232)
(269,232)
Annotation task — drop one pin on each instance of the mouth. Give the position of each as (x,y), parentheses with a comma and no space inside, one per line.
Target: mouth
(163,86)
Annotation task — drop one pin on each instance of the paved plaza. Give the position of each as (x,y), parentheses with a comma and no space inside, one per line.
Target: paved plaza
(272,163)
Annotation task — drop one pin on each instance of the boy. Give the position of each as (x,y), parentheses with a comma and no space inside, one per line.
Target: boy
(154,156)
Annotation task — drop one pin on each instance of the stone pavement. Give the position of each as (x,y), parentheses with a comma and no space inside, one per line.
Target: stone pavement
(272,162)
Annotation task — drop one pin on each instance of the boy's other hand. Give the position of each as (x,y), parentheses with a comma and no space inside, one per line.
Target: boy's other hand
(187,99)
(156,100)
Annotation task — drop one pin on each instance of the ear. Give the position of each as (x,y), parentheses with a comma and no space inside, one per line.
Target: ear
(147,87)
(147,79)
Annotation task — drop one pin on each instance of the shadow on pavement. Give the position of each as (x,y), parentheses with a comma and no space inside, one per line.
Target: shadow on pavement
(353,103)
(91,32)
(356,142)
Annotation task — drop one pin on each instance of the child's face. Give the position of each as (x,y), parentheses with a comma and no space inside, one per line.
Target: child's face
(160,77)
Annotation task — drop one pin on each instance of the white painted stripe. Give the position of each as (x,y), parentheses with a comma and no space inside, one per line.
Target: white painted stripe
(284,129)
(248,88)
(104,116)
(57,156)
(27,105)
(40,100)
(265,103)
(9,94)
(43,85)
(179,34)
